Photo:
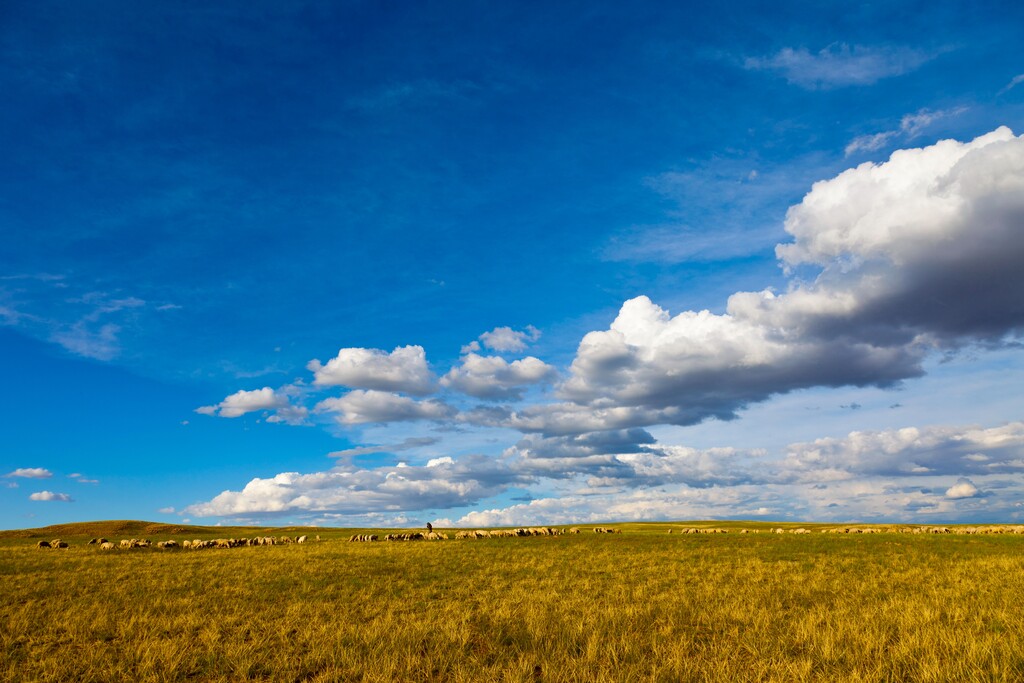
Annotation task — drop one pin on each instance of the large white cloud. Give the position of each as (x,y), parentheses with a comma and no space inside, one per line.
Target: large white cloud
(913,451)
(492,377)
(363,407)
(404,369)
(921,252)
(442,483)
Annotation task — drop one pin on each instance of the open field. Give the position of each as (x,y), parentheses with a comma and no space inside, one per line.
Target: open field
(643,605)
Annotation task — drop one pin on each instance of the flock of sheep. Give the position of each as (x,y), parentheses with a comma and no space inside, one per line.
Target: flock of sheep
(197,544)
(865,530)
(478,533)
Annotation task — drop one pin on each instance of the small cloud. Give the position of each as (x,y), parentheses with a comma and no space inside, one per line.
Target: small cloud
(184,423)
(31,473)
(895,406)
(407,444)
(166,511)
(257,400)
(869,143)
(911,126)
(839,64)
(82,479)
(1014,82)
(506,339)
(963,488)
(851,406)
(51,496)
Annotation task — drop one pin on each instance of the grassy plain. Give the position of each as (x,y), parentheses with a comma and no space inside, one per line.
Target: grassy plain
(640,606)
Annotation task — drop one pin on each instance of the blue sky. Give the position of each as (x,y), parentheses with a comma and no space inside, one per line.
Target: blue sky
(504,263)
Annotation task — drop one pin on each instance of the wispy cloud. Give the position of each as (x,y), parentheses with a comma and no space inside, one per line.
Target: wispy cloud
(1014,82)
(840,65)
(721,209)
(405,445)
(87,324)
(911,126)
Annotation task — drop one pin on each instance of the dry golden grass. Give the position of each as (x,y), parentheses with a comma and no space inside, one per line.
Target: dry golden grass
(641,606)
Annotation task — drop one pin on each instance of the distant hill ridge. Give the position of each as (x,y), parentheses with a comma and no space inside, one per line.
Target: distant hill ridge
(127,528)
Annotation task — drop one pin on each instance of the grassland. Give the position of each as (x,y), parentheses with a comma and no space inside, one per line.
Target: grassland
(640,606)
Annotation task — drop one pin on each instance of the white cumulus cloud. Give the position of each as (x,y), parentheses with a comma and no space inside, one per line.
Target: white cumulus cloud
(442,483)
(51,496)
(963,488)
(362,407)
(404,369)
(912,451)
(31,473)
(923,251)
(492,377)
(265,399)
(505,339)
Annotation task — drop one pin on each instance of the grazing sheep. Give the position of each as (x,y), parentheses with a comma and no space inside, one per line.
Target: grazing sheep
(43,544)
(574,530)
(107,546)
(58,544)
(301,539)
(54,542)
